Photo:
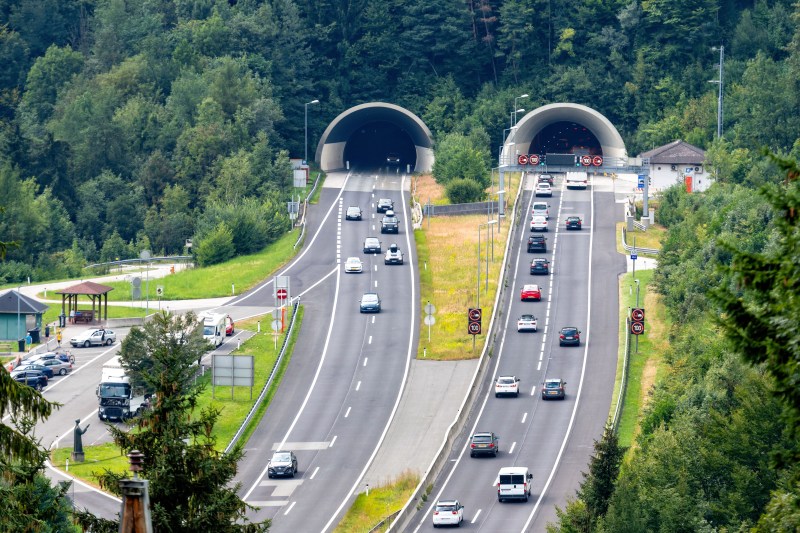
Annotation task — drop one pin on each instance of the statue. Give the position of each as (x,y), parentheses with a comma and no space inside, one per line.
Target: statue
(77,444)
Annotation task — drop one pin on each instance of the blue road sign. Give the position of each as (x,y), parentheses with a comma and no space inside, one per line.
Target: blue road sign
(641,181)
(633,257)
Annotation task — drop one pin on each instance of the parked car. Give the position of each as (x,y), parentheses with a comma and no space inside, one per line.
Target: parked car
(538,223)
(283,463)
(527,323)
(32,378)
(353,264)
(537,243)
(569,336)
(94,337)
(541,208)
(230,326)
(385,204)
(506,385)
(46,370)
(574,222)
(485,443)
(393,256)
(448,513)
(540,265)
(372,245)
(353,213)
(57,366)
(554,388)
(530,292)
(543,189)
(370,303)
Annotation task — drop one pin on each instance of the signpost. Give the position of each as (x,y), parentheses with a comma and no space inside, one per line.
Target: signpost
(474,316)
(430,320)
(281,294)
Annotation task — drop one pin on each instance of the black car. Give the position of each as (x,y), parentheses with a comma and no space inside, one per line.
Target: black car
(554,389)
(569,336)
(393,159)
(47,371)
(484,443)
(390,224)
(385,204)
(537,243)
(574,222)
(32,378)
(283,463)
(540,265)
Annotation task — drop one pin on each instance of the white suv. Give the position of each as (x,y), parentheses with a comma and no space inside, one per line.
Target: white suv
(541,209)
(506,385)
(448,513)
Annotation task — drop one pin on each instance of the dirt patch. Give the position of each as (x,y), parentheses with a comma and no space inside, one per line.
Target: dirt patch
(429,190)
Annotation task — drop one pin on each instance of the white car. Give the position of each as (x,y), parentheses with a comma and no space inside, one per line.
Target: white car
(448,513)
(94,337)
(393,256)
(538,223)
(353,264)
(543,189)
(527,323)
(541,208)
(506,385)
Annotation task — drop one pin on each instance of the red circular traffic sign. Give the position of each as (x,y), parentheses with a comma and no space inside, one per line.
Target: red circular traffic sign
(534,159)
(586,160)
(637,314)
(474,328)
(637,328)
(475,314)
(281,294)
(597,160)
(522,159)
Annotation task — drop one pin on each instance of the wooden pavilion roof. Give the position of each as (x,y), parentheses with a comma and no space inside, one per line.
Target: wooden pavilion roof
(88,288)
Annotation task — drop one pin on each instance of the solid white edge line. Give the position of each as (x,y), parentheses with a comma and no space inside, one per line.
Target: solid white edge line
(413,322)
(77,481)
(580,384)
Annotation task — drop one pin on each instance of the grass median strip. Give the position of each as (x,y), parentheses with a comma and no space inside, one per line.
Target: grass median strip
(370,509)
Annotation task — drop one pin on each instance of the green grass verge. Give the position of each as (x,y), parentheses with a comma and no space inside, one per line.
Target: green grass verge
(241,274)
(644,239)
(638,360)
(367,511)
(233,410)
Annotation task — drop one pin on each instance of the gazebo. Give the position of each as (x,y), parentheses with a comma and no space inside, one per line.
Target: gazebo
(96,292)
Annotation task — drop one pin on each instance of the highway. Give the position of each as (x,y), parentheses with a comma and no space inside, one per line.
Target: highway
(347,370)
(552,438)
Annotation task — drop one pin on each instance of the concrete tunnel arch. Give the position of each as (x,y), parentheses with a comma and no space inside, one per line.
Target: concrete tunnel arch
(609,141)
(382,127)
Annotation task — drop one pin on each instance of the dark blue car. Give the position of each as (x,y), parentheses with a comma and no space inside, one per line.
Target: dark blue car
(370,303)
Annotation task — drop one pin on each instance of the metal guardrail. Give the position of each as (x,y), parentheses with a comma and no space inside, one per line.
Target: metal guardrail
(639,249)
(305,210)
(624,383)
(264,390)
(166,258)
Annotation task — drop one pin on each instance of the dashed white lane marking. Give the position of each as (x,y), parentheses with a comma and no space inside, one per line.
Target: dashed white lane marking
(513,445)
(475,518)
(289,509)
(315,473)
(332,441)
(524,418)
(365,361)
(373,319)
(369,341)
(348,412)
(358,385)
(533,391)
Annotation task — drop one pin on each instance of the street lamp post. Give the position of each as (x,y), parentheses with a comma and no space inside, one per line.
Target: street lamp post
(513,117)
(720,83)
(305,153)
(488,225)
(515,106)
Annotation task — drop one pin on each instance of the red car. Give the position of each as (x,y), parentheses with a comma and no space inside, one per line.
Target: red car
(229,326)
(531,292)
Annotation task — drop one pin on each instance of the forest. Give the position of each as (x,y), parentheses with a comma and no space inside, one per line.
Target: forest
(127,126)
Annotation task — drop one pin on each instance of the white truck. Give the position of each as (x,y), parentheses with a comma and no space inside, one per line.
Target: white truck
(117,399)
(214,326)
(577,180)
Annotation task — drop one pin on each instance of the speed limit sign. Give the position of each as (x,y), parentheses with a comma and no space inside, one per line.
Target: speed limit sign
(474,328)
(586,160)
(534,159)
(474,320)
(637,328)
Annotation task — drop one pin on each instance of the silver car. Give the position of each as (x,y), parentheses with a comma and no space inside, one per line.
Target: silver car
(94,337)
(57,366)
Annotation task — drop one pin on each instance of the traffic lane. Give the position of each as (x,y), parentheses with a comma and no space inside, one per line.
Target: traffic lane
(601,364)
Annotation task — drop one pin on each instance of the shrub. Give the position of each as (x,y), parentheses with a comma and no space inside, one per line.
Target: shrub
(464,190)
(215,247)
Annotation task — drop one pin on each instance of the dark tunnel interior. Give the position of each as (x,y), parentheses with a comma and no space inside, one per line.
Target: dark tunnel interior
(565,138)
(371,144)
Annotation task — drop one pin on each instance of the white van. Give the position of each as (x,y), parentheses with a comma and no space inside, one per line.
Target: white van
(514,483)
(214,326)
(577,180)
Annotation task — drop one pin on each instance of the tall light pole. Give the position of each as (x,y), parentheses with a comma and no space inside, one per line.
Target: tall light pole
(305,153)
(720,83)
(513,118)
(488,225)
(515,106)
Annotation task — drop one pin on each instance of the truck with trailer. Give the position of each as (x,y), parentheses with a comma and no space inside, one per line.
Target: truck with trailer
(116,395)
